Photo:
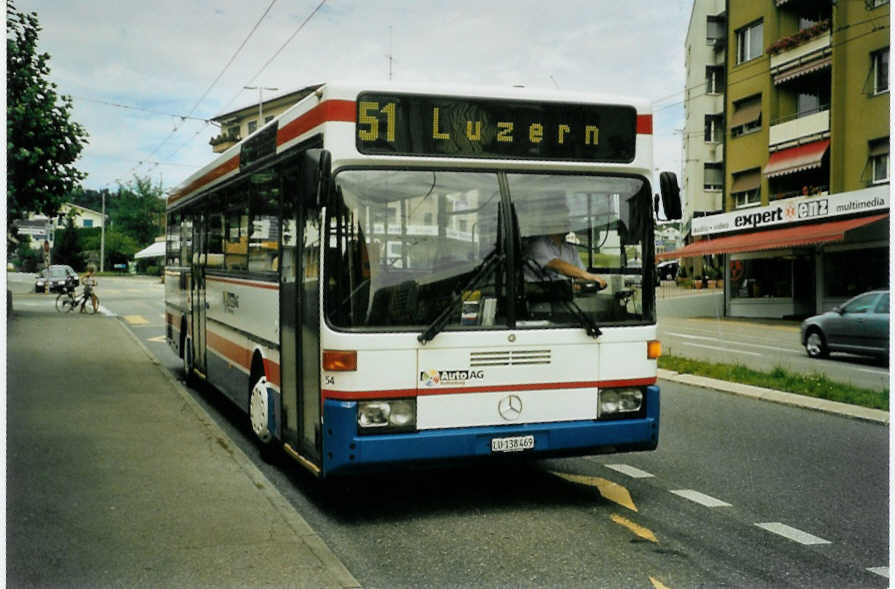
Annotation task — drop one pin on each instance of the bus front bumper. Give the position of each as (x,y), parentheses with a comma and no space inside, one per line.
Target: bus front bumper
(345,451)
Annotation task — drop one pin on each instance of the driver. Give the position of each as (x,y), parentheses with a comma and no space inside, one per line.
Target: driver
(558,259)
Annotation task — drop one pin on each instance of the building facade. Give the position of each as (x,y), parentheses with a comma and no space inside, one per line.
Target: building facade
(703,136)
(41,228)
(806,157)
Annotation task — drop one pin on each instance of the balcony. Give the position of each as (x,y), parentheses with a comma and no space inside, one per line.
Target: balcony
(223,142)
(802,53)
(802,129)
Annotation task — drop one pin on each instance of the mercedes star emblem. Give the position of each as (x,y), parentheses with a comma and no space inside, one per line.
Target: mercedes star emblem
(510,407)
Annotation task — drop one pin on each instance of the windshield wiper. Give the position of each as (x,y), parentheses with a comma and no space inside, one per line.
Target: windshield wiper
(490,261)
(583,318)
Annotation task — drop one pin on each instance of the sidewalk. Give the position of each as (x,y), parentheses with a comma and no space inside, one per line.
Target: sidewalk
(117,478)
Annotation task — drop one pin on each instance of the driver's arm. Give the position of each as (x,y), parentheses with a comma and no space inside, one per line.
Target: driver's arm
(573,271)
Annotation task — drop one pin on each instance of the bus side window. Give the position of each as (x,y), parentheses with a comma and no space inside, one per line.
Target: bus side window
(265,223)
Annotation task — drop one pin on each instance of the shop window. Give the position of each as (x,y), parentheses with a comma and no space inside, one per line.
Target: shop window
(761,278)
(849,273)
(750,40)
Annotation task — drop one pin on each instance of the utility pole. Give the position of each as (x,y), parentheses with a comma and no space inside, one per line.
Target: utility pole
(260,102)
(102,236)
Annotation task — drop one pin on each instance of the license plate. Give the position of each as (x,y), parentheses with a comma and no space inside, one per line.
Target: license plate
(514,444)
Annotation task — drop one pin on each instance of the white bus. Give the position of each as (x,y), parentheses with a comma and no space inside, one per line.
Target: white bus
(356,277)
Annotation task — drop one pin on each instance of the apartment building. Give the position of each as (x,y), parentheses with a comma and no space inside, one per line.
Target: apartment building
(702,182)
(805,222)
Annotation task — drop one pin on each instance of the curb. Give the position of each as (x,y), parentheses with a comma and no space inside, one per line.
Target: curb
(329,561)
(790,399)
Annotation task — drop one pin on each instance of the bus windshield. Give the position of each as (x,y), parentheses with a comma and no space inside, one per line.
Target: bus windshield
(408,246)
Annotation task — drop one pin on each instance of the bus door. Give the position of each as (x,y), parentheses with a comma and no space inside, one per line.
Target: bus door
(197,294)
(299,324)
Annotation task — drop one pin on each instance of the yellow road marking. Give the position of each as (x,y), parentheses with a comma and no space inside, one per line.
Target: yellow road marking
(657,583)
(159,339)
(609,490)
(644,533)
(135,319)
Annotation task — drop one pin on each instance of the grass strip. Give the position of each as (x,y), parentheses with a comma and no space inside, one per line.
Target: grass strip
(812,385)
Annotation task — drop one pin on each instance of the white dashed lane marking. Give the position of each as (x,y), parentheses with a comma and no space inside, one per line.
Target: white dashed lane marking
(634,473)
(700,498)
(881,571)
(791,533)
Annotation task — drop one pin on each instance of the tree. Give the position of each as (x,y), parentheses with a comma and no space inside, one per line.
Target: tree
(119,248)
(140,210)
(68,249)
(43,143)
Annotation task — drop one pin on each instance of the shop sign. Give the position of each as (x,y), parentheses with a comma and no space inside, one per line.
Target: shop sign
(795,210)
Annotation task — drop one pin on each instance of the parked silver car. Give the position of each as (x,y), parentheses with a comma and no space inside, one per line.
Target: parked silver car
(860,326)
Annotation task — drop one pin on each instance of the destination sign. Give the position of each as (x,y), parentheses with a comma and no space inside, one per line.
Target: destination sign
(437,126)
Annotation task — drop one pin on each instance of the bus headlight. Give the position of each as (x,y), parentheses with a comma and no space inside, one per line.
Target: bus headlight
(620,402)
(386,416)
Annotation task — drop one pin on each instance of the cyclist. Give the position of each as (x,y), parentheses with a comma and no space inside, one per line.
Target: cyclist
(89,282)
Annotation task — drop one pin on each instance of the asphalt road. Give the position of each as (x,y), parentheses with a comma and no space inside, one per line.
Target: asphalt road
(740,493)
(691,326)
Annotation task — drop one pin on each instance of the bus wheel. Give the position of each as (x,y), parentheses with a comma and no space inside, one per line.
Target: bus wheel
(260,413)
(187,361)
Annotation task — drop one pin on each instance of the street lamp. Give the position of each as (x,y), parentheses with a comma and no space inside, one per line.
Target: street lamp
(260,102)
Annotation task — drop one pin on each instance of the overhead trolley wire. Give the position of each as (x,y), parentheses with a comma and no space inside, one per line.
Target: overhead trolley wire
(214,83)
(260,71)
(277,52)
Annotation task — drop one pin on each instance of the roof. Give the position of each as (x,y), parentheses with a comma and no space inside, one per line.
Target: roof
(156,250)
(295,95)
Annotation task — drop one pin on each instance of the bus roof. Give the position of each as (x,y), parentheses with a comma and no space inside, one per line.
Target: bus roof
(335,103)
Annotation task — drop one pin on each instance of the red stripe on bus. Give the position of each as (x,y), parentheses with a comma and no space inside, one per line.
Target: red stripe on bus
(241,356)
(398,393)
(343,111)
(267,285)
(644,124)
(225,168)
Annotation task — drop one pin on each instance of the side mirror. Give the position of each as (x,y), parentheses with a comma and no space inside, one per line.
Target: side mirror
(671,196)
(316,171)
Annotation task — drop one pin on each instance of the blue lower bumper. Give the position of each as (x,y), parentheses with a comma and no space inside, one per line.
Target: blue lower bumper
(346,451)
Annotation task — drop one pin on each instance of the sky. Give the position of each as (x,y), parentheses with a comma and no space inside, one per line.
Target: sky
(146,76)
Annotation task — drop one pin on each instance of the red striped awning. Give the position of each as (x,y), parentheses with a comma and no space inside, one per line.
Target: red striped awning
(773,239)
(801,70)
(796,159)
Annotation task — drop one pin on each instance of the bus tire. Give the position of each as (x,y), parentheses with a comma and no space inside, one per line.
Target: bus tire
(260,407)
(187,356)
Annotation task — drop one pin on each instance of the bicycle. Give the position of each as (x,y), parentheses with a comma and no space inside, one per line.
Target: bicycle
(67,300)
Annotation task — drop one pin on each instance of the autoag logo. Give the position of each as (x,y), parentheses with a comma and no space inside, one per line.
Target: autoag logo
(433,378)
